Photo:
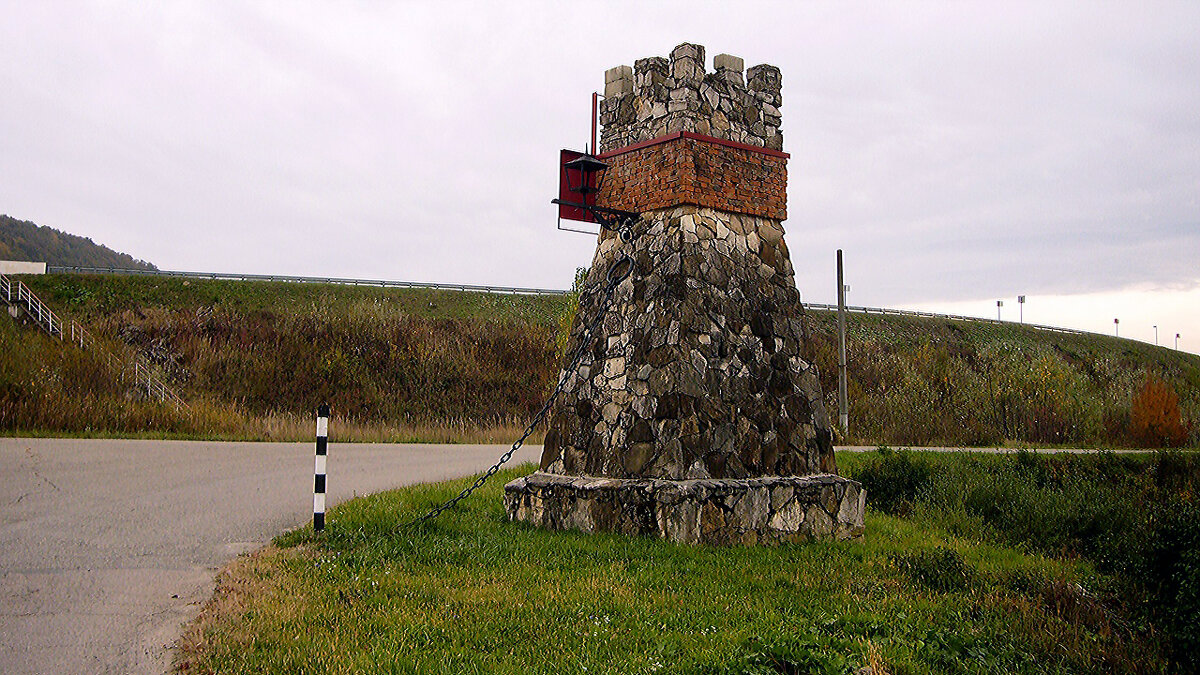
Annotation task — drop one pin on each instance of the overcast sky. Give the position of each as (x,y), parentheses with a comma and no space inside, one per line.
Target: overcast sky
(958,152)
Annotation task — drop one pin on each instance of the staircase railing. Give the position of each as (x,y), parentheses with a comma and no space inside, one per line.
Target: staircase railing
(16,293)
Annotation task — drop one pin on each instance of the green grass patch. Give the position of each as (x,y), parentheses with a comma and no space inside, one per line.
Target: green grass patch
(472,592)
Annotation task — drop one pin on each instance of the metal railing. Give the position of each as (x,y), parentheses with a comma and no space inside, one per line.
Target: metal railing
(229,276)
(933,315)
(16,293)
(61,269)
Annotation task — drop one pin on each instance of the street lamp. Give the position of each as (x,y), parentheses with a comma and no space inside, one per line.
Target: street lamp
(1156,335)
(999,304)
(1177,342)
(1117,327)
(583,176)
(1021,304)
(585,173)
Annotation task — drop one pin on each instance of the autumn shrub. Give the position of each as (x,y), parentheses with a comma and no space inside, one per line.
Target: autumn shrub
(1155,419)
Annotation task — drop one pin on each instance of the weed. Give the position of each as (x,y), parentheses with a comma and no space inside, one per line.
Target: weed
(940,569)
(893,479)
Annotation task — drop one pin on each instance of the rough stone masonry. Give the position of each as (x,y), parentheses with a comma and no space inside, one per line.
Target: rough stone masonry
(694,415)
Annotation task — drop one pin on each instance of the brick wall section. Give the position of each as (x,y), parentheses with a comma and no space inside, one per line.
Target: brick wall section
(686,168)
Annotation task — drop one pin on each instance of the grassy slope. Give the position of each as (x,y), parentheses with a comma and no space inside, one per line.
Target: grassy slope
(415,363)
(474,593)
(395,364)
(923,381)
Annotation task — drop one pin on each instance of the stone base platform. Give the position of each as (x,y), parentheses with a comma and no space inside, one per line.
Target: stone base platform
(767,510)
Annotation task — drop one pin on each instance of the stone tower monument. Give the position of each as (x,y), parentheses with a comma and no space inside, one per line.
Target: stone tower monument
(693,415)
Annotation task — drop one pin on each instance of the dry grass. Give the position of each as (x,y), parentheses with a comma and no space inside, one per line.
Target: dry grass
(251,583)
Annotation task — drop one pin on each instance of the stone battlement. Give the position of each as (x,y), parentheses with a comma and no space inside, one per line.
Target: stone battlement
(661,96)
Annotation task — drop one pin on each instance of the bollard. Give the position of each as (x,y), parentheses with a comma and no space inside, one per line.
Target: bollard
(319,481)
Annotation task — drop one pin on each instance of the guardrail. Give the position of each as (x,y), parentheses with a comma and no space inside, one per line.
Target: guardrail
(14,292)
(60,269)
(932,315)
(229,276)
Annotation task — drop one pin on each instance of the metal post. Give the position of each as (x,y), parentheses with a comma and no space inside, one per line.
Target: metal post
(843,402)
(1156,335)
(319,480)
(1021,304)
(1177,342)
(595,105)
(1117,327)
(999,304)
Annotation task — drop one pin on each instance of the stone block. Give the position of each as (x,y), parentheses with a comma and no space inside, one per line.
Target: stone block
(764,78)
(769,510)
(687,50)
(728,62)
(650,73)
(618,82)
(617,88)
(617,73)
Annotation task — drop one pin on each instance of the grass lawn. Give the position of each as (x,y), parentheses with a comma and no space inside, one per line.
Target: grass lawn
(472,592)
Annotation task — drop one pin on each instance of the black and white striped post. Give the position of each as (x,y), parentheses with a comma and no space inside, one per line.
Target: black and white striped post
(319,481)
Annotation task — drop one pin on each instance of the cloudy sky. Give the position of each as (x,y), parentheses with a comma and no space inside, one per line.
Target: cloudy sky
(959,153)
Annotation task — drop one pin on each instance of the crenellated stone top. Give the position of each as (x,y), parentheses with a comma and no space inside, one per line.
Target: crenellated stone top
(660,96)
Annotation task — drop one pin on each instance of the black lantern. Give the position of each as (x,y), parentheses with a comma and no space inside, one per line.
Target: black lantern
(580,180)
(584,174)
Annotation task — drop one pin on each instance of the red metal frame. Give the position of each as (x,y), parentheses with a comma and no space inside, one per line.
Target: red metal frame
(565,193)
(595,104)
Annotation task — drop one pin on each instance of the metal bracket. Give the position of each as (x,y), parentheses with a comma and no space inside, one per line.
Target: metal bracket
(608,219)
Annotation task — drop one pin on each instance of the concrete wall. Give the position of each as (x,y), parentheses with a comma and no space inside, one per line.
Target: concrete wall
(22,267)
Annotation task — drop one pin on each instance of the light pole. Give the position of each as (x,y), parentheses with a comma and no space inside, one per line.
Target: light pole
(1021,304)
(1117,327)
(843,399)
(1177,342)
(999,304)
(1156,335)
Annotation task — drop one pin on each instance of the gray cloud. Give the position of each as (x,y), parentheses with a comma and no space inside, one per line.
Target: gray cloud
(953,151)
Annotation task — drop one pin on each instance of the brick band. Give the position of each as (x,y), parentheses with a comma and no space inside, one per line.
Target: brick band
(691,168)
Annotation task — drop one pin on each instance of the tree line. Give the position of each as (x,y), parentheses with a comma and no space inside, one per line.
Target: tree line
(23,240)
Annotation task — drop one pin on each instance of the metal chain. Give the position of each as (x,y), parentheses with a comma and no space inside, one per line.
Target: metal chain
(617,272)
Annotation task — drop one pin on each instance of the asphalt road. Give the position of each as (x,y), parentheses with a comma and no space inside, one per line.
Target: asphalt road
(108,546)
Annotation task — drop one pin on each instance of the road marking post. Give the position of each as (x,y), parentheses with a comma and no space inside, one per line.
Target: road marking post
(319,480)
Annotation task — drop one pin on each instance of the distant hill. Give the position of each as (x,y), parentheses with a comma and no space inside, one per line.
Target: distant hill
(23,240)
